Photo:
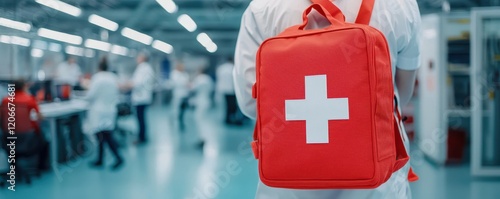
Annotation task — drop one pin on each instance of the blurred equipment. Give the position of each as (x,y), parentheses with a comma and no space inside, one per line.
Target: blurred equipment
(444,95)
(486,91)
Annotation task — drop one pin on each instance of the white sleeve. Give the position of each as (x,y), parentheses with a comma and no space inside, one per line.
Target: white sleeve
(409,55)
(249,40)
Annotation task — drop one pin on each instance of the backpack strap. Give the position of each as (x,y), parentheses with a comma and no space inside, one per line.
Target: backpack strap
(402,156)
(365,11)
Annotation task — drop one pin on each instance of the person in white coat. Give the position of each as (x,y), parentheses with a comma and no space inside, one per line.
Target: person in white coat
(225,87)
(180,92)
(103,96)
(398,20)
(142,86)
(202,87)
(68,72)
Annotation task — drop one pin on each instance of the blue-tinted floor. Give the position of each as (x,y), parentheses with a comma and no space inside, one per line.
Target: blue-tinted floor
(170,167)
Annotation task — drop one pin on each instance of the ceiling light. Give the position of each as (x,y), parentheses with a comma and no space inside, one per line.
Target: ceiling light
(5,39)
(61,6)
(212,48)
(20,41)
(188,23)
(119,50)
(89,53)
(206,42)
(98,45)
(55,47)
(162,46)
(73,50)
(15,24)
(36,52)
(103,22)
(168,5)
(60,36)
(137,36)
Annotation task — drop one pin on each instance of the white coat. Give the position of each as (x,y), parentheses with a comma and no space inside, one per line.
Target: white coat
(103,96)
(68,73)
(143,81)
(225,81)
(203,86)
(180,89)
(398,20)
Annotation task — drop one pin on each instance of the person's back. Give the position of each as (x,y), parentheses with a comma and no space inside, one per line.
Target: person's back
(103,98)
(398,20)
(23,104)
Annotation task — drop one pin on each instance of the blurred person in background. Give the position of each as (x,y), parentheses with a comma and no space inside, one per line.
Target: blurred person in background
(225,87)
(68,72)
(202,88)
(180,82)
(142,84)
(103,96)
(28,118)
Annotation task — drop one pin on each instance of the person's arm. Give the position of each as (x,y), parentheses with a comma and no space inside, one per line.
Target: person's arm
(91,93)
(408,60)
(249,40)
(405,82)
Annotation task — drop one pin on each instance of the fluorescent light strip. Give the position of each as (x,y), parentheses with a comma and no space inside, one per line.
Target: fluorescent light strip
(5,39)
(73,50)
(61,6)
(206,42)
(168,5)
(119,50)
(55,47)
(36,53)
(211,48)
(60,36)
(15,24)
(103,22)
(137,36)
(98,45)
(20,41)
(188,23)
(162,46)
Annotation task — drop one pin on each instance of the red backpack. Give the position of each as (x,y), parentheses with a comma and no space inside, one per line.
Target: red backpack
(326,117)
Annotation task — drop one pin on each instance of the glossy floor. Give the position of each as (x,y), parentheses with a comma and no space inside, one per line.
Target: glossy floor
(170,167)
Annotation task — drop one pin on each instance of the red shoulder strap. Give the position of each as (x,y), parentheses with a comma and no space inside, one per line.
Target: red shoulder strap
(365,12)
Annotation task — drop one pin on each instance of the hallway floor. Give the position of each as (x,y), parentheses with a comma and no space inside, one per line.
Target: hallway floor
(170,167)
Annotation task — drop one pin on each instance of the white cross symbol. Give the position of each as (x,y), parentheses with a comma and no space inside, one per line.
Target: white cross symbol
(317,109)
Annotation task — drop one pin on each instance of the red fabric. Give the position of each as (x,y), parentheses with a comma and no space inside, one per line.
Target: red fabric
(364,150)
(24,103)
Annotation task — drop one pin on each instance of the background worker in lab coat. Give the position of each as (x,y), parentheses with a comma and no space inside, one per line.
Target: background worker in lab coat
(202,87)
(103,96)
(180,82)
(69,72)
(398,20)
(225,87)
(142,86)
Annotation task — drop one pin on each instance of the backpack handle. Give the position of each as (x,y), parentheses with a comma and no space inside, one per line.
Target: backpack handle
(331,8)
(364,15)
(323,11)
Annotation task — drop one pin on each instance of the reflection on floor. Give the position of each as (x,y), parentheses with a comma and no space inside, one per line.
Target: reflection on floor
(170,167)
